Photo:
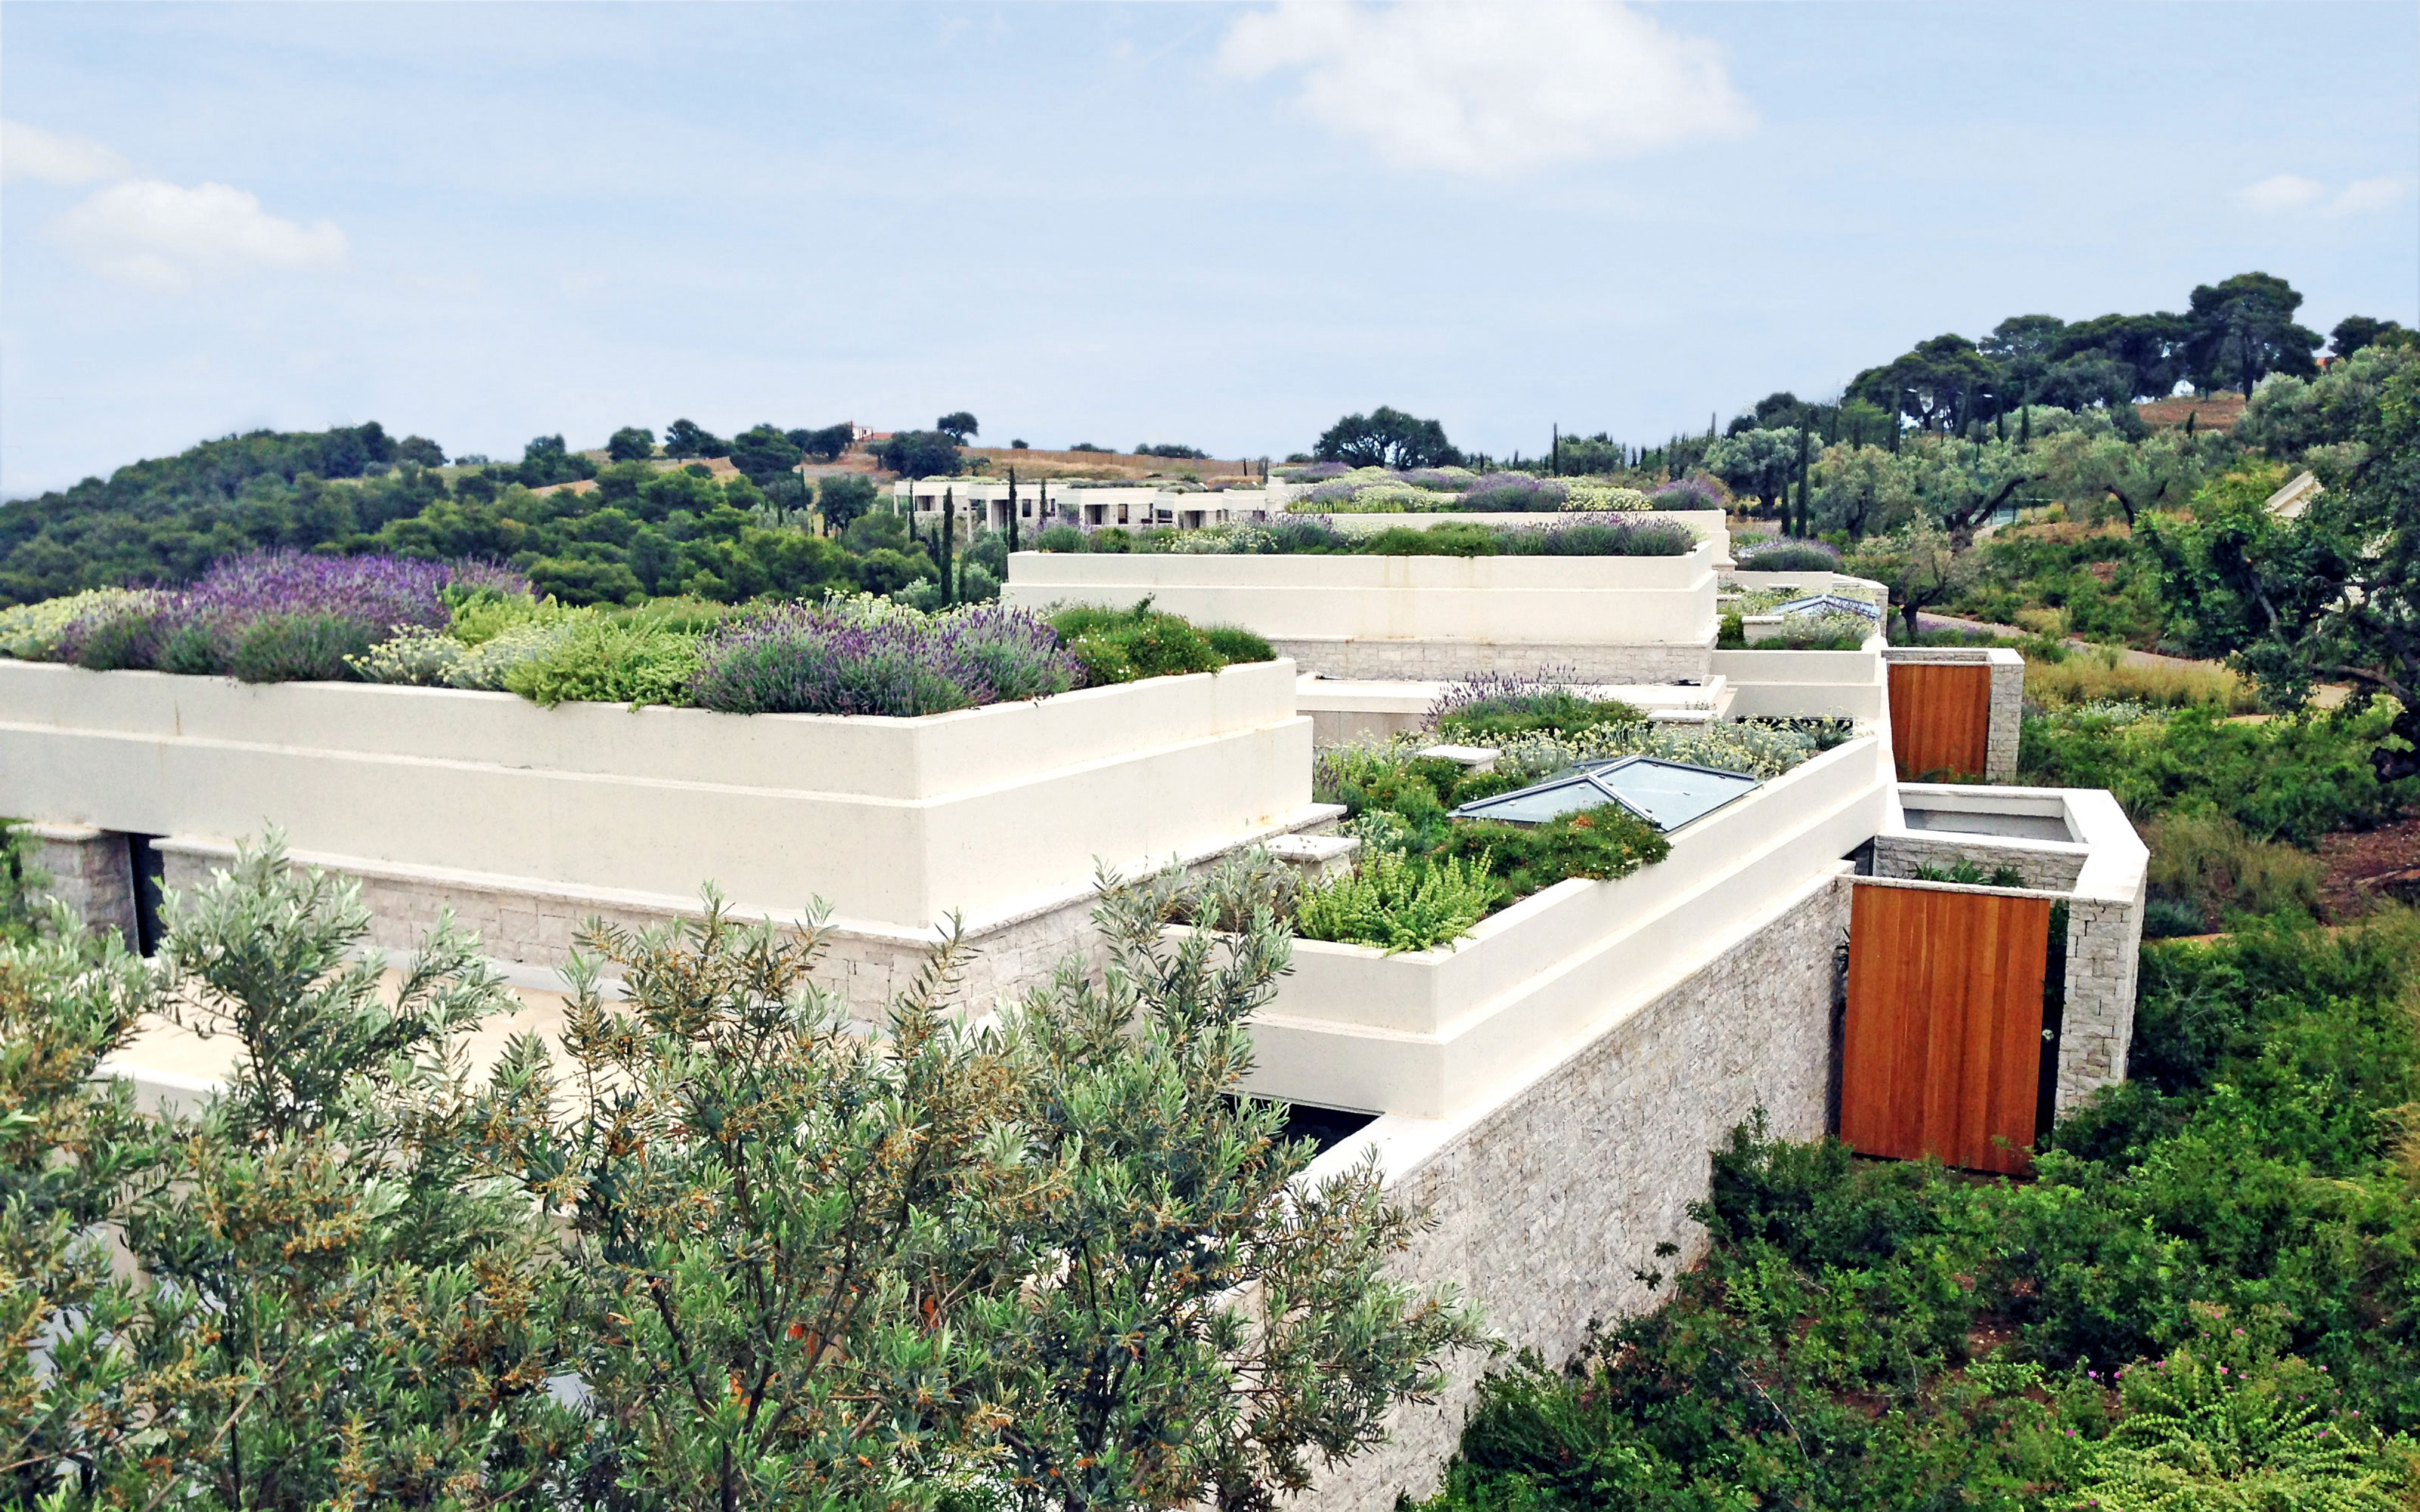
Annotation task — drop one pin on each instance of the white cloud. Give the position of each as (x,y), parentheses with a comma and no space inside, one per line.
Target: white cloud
(2282,194)
(54,157)
(2286,192)
(166,236)
(2369,194)
(1493,89)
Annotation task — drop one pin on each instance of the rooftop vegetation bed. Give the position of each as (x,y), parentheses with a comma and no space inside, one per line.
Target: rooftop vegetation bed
(1601,535)
(1334,488)
(287,617)
(1424,878)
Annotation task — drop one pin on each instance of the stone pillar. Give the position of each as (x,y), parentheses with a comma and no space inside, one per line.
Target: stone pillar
(90,871)
(2104,947)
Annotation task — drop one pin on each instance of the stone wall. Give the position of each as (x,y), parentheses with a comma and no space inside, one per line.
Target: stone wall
(526,925)
(1544,1204)
(1431,660)
(90,871)
(2104,952)
(2054,870)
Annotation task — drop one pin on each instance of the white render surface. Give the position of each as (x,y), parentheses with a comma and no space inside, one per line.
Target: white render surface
(1548,1198)
(1491,601)
(1710,525)
(1767,684)
(1345,710)
(1434,1033)
(891,822)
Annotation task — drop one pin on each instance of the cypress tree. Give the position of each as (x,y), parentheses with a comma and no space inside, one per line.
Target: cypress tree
(2025,425)
(1802,481)
(1555,454)
(1012,509)
(949,539)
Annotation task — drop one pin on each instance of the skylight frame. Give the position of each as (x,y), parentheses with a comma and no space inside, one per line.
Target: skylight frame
(1593,774)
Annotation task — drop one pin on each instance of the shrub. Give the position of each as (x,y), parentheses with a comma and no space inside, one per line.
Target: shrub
(1237,644)
(34,632)
(2208,861)
(1601,842)
(298,648)
(1493,707)
(601,659)
(122,633)
(1967,874)
(1397,902)
(803,661)
(2294,778)
(1791,556)
(1122,645)
(1059,539)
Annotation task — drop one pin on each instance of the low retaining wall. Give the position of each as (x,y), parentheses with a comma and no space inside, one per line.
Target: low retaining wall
(1548,1199)
(890,821)
(1615,619)
(1766,685)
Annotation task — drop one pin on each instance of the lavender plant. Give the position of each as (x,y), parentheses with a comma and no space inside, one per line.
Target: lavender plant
(808,660)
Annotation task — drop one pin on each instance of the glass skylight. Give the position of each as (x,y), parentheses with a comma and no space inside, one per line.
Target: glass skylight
(1667,794)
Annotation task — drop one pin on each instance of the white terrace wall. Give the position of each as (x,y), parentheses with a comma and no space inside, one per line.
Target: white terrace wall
(1767,684)
(1606,619)
(1709,525)
(525,820)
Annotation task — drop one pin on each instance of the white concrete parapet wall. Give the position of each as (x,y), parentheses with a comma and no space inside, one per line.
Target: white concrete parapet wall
(1433,1033)
(1606,619)
(1709,525)
(1774,684)
(892,820)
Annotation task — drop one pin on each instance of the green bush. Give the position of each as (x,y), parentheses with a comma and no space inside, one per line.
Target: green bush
(1237,644)
(607,660)
(297,648)
(1603,842)
(1491,717)
(1866,1335)
(1122,645)
(1059,539)
(2294,778)
(2207,860)
(1400,902)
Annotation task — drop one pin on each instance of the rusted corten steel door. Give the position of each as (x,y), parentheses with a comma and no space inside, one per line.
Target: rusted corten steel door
(1941,1051)
(1941,719)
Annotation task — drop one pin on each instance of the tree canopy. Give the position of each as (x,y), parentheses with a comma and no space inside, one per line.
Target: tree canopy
(958,425)
(920,453)
(1387,438)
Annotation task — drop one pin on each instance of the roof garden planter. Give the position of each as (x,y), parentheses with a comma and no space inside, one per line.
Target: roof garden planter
(893,821)
(1432,1033)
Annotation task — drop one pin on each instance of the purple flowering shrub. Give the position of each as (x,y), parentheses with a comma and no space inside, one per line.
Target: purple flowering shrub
(276,616)
(802,660)
(1514,492)
(1698,490)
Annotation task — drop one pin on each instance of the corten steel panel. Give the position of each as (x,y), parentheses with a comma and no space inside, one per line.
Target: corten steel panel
(1941,719)
(1941,1053)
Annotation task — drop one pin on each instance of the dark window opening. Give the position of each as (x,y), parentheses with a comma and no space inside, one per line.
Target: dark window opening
(2053,1021)
(151,871)
(1324,1127)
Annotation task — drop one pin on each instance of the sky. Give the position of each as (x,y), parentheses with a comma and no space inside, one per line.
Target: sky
(1221,225)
